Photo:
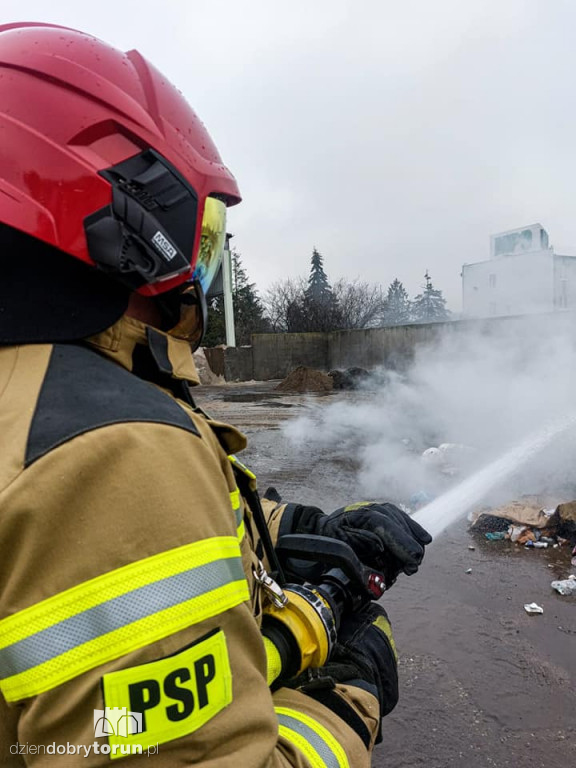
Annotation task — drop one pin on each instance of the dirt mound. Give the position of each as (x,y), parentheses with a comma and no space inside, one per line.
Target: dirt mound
(304,379)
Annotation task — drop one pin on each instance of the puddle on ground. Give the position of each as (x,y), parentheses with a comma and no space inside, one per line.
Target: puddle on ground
(250,397)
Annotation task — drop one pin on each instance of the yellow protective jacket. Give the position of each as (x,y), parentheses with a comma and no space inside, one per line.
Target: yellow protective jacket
(129,614)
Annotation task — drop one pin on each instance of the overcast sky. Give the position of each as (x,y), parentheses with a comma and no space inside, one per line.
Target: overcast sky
(395,136)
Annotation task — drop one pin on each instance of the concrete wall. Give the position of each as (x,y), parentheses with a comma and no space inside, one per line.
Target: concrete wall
(276,354)
(273,356)
(392,347)
(234,363)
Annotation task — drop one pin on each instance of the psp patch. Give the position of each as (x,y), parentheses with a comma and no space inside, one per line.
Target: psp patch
(171,697)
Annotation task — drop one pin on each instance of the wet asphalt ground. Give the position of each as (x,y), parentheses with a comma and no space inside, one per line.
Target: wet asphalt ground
(481,682)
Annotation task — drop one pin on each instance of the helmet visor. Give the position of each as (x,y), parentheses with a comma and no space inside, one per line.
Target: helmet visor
(212,242)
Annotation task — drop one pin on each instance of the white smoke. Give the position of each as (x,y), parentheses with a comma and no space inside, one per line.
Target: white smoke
(484,390)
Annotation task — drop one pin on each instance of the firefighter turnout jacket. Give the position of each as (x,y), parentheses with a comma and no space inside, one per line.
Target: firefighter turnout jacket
(129,611)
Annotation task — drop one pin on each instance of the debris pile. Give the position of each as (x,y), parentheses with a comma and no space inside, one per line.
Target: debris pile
(304,379)
(351,378)
(528,521)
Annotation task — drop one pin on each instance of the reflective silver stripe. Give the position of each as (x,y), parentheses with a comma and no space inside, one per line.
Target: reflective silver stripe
(236,506)
(116,613)
(314,739)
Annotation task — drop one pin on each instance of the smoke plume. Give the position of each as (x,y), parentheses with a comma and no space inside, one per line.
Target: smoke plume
(484,390)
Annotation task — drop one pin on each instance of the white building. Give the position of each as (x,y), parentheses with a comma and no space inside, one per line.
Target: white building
(523,276)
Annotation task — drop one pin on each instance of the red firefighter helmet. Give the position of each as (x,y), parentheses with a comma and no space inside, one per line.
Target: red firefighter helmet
(102,158)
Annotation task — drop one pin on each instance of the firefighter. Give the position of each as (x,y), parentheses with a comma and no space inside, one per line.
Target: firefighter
(132,576)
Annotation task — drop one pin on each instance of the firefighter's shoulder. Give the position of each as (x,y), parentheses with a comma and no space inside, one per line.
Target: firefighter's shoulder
(82,391)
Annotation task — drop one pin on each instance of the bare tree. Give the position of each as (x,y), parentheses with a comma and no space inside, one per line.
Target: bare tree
(353,304)
(280,300)
(360,304)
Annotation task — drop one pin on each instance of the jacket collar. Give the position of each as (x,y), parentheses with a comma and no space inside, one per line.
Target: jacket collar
(158,357)
(129,341)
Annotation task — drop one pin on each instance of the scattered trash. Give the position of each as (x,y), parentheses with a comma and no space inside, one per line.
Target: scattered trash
(528,511)
(565,586)
(432,456)
(448,458)
(531,521)
(515,531)
(471,547)
(469,570)
(486,523)
(533,609)
(527,535)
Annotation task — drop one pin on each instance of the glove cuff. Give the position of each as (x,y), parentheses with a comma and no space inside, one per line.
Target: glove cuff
(297,518)
(344,711)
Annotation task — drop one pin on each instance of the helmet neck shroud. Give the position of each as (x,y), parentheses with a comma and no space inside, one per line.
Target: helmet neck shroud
(48,296)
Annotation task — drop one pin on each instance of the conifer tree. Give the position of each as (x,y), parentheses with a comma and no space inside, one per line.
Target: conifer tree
(429,306)
(319,289)
(397,305)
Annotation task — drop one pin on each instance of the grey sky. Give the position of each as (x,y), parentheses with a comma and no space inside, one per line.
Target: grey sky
(393,136)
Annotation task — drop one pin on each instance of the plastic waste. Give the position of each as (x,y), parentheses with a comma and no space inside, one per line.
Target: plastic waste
(565,586)
(495,535)
(515,531)
(536,545)
(432,456)
(469,570)
(533,609)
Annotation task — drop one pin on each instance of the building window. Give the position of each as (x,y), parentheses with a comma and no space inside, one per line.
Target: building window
(492,281)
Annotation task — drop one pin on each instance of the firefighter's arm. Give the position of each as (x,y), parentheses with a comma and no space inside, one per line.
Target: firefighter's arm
(125,591)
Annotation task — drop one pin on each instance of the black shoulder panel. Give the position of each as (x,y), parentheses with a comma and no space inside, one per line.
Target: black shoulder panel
(83,391)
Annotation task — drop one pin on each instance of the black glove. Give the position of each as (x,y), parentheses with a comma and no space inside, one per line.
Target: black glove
(364,654)
(382,535)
